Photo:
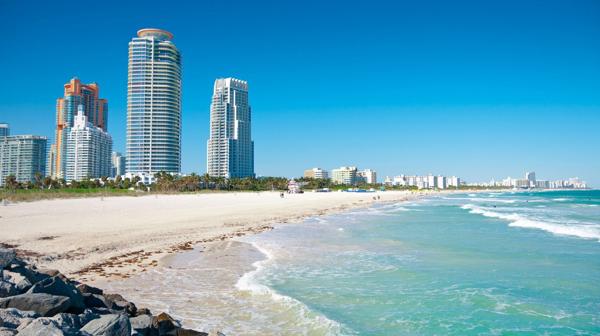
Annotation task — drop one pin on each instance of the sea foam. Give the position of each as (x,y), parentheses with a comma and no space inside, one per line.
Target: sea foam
(248,282)
(517,220)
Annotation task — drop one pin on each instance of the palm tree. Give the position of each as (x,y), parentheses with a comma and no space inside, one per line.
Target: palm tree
(11,182)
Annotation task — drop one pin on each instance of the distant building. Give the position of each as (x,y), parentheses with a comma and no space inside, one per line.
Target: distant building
(530,176)
(22,156)
(440,182)
(344,175)
(542,184)
(94,108)
(4,130)
(117,161)
(369,176)
(429,182)
(525,183)
(316,173)
(230,149)
(153,103)
(453,181)
(88,150)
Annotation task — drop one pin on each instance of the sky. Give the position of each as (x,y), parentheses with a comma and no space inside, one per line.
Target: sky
(476,89)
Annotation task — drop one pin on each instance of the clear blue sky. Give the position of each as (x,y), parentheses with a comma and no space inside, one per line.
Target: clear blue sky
(478,89)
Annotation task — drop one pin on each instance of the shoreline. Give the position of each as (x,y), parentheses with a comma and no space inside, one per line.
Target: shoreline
(115,238)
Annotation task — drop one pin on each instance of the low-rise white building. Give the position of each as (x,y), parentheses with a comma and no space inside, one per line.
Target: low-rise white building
(369,176)
(345,175)
(316,173)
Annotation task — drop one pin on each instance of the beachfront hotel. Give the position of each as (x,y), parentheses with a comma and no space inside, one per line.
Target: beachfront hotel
(23,156)
(345,175)
(369,176)
(88,150)
(94,108)
(153,104)
(230,149)
(316,173)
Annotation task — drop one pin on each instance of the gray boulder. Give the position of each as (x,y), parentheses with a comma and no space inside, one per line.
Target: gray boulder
(20,282)
(7,289)
(41,303)
(7,332)
(42,326)
(108,325)
(30,273)
(143,311)
(12,317)
(190,332)
(6,257)
(87,316)
(56,286)
(165,324)
(142,324)
(117,302)
(87,289)
(68,323)
(94,301)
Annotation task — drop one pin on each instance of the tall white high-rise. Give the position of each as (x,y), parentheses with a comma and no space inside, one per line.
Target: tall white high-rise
(153,104)
(88,150)
(230,149)
(117,164)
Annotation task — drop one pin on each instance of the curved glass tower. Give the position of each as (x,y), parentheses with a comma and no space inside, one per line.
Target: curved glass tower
(153,104)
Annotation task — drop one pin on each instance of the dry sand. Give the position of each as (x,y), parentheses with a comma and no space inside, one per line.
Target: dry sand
(115,237)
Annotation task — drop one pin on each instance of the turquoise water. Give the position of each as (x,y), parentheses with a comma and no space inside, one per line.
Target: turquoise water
(470,264)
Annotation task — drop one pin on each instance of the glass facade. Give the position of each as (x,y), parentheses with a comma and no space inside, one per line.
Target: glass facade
(22,156)
(153,104)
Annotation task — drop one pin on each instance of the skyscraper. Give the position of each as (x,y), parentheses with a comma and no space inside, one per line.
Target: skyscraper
(21,155)
(88,150)
(230,147)
(153,103)
(4,130)
(118,164)
(94,108)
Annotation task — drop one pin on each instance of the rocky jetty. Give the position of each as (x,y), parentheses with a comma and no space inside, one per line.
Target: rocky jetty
(44,302)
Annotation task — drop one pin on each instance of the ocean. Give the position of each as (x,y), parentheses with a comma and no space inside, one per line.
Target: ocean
(497,263)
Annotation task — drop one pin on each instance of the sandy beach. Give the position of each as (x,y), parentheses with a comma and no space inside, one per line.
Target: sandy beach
(116,237)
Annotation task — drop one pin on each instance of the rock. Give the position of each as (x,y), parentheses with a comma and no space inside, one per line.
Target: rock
(7,289)
(12,317)
(117,302)
(7,332)
(42,326)
(68,323)
(94,301)
(165,324)
(29,273)
(87,316)
(41,303)
(53,273)
(86,289)
(24,323)
(141,324)
(108,325)
(6,257)
(190,332)
(18,280)
(143,311)
(57,286)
